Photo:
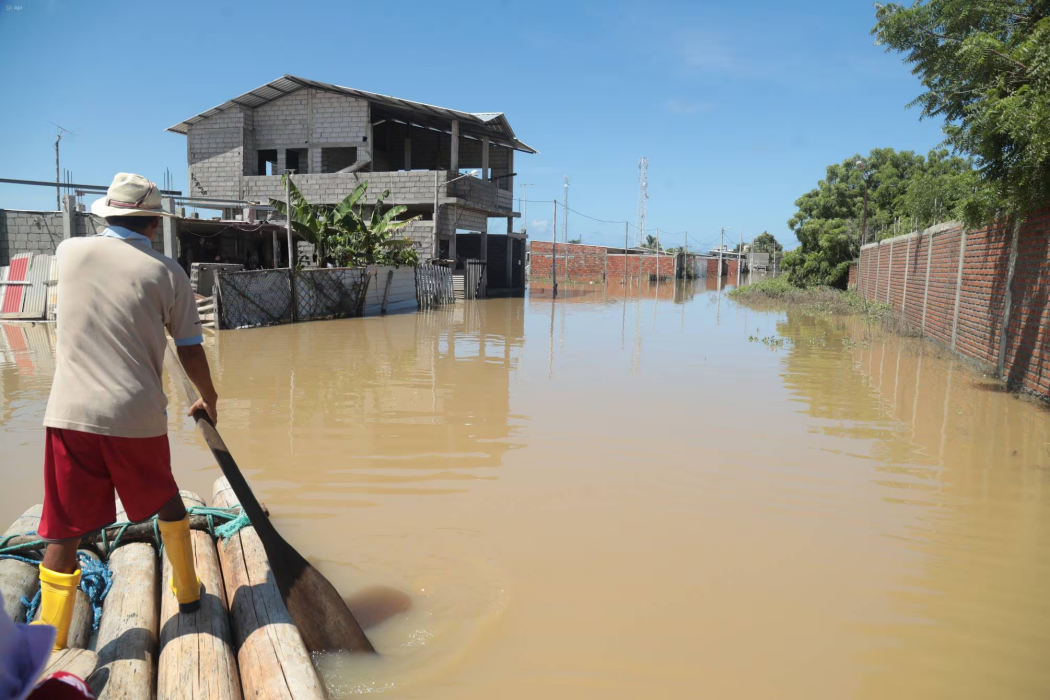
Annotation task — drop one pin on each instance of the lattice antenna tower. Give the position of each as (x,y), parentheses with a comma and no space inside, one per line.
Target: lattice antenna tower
(643,196)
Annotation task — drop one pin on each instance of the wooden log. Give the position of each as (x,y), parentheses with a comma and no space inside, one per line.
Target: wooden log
(18,578)
(196,650)
(127,635)
(271,655)
(80,662)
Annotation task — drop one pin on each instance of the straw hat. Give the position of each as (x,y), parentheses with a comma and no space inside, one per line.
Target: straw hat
(129,195)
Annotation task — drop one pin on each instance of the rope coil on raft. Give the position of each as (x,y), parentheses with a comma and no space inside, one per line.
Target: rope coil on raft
(96,578)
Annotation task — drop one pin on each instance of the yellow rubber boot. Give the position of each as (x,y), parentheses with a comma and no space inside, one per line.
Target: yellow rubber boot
(184,582)
(58,595)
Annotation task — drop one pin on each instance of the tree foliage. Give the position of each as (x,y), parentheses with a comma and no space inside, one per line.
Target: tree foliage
(765,243)
(651,243)
(906,191)
(985,65)
(345,235)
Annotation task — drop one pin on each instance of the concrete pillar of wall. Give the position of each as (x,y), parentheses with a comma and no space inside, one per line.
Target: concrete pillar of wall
(454,163)
(958,287)
(69,216)
(510,254)
(282,160)
(926,288)
(314,160)
(889,276)
(453,215)
(169,229)
(878,269)
(485,259)
(371,145)
(1008,296)
(408,153)
(485,158)
(907,266)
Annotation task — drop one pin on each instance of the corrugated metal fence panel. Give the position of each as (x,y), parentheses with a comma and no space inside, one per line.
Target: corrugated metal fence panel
(11,301)
(52,288)
(35,296)
(401,294)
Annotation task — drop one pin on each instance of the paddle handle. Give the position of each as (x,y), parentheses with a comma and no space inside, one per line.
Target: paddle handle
(218,448)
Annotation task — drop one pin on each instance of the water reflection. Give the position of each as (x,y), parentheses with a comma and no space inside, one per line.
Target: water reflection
(965,473)
(413,404)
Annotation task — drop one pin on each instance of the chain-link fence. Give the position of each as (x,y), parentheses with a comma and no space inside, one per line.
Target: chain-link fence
(271,297)
(255,298)
(330,293)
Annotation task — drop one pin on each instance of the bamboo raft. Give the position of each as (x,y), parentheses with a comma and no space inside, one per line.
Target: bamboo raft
(241,643)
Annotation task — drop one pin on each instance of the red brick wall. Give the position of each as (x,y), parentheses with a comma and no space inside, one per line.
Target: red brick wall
(853,275)
(587,263)
(929,300)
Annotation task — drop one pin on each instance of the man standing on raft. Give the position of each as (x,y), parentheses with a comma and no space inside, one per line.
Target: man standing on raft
(106,418)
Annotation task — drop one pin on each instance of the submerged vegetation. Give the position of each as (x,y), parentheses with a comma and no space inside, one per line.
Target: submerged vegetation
(780,292)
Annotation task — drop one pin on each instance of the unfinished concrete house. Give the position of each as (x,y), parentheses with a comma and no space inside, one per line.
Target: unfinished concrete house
(334,138)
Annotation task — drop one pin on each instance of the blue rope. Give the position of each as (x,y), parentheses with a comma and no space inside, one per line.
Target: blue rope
(232,527)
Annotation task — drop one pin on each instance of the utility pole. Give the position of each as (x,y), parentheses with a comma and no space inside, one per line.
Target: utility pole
(288,215)
(626,227)
(565,235)
(740,256)
(721,246)
(774,257)
(658,256)
(58,170)
(525,206)
(554,248)
(685,254)
(643,196)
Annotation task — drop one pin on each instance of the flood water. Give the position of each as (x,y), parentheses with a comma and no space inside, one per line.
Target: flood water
(624,496)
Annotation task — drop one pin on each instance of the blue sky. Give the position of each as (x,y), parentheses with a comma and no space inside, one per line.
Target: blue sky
(738,106)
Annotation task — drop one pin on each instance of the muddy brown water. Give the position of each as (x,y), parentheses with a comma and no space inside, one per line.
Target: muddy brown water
(622,496)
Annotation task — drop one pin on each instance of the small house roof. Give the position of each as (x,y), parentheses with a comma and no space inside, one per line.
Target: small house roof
(492,124)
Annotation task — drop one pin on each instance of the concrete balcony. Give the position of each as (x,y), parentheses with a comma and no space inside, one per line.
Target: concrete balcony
(411,188)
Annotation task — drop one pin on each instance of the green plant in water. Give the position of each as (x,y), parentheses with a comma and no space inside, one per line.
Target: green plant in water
(343,234)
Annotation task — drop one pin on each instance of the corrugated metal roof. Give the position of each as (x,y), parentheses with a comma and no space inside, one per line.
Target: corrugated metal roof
(483,121)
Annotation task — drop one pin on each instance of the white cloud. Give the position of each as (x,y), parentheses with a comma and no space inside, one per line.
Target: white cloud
(539,226)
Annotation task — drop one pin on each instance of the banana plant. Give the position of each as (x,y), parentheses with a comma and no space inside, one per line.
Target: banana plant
(317,223)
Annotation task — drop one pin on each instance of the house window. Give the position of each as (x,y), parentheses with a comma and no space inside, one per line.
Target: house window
(298,159)
(335,159)
(267,163)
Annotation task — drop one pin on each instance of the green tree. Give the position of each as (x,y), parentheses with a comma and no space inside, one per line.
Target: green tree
(651,243)
(575,240)
(985,66)
(905,191)
(765,243)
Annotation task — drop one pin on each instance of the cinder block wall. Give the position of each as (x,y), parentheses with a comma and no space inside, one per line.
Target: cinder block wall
(951,284)
(28,232)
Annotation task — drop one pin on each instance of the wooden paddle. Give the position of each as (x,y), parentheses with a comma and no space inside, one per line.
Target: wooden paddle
(316,607)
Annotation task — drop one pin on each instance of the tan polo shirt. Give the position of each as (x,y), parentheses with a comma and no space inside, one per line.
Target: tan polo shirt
(116,296)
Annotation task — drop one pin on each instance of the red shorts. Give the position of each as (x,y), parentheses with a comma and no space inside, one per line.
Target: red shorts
(82,469)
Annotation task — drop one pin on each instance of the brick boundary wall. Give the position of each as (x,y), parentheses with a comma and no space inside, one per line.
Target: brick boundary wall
(951,284)
(579,262)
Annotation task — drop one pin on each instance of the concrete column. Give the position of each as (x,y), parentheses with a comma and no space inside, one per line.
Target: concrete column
(485,158)
(958,286)
(371,145)
(889,276)
(452,216)
(510,254)
(282,160)
(69,216)
(169,229)
(1008,297)
(454,164)
(314,160)
(485,259)
(907,265)
(926,289)
(878,269)
(408,153)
